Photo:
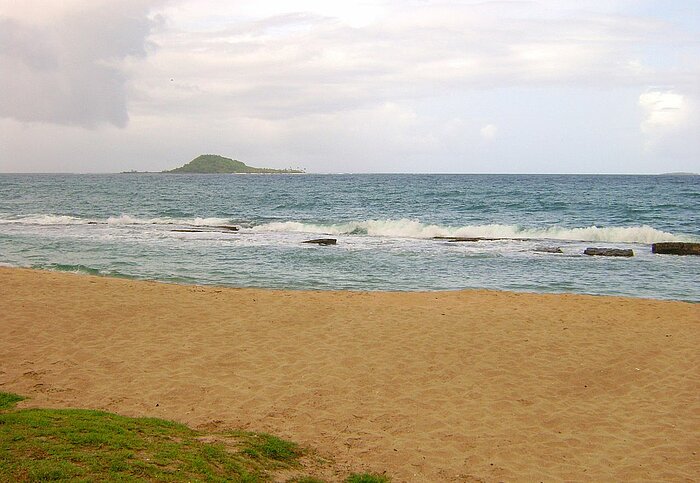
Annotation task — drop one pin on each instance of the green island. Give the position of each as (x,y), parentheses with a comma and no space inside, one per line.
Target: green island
(86,445)
(213,163)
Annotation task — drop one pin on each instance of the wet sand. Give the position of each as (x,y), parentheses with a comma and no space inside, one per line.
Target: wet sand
(448,386)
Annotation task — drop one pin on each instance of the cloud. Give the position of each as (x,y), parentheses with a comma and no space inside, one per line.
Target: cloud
(670,123)
(66,65)
(664,112)
(488,132)
(274,60)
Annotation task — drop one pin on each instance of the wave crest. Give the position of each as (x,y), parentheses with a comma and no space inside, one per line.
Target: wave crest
(131,220)
(405,228)
(43,219)
(39,219)
(396,228)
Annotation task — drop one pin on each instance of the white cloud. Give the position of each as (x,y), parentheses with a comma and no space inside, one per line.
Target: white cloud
(488,132)
(275,59)
(663,110)
(664,113)
(670,123)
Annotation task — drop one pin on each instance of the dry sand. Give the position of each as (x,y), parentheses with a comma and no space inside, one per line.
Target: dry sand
(455,386)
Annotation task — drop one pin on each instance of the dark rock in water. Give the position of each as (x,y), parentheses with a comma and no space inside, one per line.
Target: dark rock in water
(322,241)
(548,249)
(609,252)
(453,239)
(676,248)
(459,238)
(207,229)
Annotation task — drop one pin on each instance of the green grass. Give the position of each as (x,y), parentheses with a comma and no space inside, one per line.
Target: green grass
(76,444)
(367,478)
(266,446)
(8,400)
(85,445)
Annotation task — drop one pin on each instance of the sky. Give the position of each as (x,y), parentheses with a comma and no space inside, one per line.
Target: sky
(416,86)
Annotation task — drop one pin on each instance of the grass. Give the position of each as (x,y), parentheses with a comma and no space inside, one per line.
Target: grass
(85,445)
(8,400)
(367,478)
(266,446)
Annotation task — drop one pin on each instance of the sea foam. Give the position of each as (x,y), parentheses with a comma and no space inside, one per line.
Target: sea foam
(406,228)
(131,220)
(45,219)
(124,219)
(396,228)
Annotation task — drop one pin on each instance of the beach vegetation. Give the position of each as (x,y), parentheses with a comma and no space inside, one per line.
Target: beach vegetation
(78,444)
(367,478)
(8,400)
(261,445)
(86,445)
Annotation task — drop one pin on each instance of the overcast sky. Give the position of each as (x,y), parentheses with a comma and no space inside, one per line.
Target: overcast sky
(561,86)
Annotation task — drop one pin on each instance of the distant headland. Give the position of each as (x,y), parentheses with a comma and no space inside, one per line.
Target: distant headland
(213,163)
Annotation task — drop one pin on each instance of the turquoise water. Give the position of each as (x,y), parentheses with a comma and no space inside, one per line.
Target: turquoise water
(123,225)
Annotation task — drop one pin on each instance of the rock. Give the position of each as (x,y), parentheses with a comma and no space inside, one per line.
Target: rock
(322,241)
(609,252)
(676,248)
(207,229)
(458,238)
(548,249)
(453,239)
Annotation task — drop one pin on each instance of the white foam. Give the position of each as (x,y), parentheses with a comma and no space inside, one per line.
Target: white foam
(406,228)
(50,219)
(131,220)
(629,234)
(207,221)
(399,228)
(40,219)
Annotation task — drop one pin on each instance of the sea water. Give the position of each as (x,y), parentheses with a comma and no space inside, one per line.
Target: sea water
(172,228)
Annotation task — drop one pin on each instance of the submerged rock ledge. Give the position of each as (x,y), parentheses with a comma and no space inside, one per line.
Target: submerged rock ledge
(676,248)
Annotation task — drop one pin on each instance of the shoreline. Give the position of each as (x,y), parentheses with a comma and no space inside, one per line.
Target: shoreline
(119,276)
(469,385)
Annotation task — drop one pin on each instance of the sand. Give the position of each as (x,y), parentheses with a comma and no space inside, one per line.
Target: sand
(448,386)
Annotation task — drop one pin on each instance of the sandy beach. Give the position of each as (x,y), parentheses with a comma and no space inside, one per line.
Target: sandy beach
(448,386)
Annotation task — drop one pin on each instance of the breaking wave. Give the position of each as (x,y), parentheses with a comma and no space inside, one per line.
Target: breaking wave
(40,219)
(415,229)
(396,228)
(35,219)
(130,220)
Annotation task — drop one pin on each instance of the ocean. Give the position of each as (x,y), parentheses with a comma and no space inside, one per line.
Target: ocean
(174,228)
